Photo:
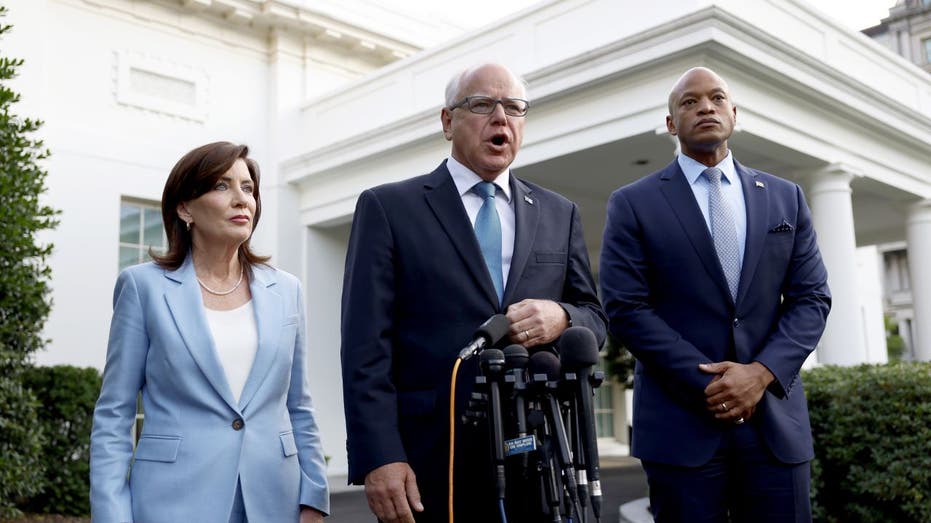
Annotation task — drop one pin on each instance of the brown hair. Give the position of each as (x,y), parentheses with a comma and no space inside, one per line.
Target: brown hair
(196,173)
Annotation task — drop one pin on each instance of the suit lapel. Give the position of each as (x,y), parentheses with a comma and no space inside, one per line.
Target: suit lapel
(681,200)
(526,218)
(269,317)
(446,204)
(756,198)
(187,309)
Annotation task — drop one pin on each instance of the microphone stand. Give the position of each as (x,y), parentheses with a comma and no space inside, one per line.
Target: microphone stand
(592,381)
(578,453)
(549,489)
(492,365)
(579,357)
(554,417)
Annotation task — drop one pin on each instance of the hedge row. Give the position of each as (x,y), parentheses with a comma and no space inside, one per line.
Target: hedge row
(871,424)
(20,443)
(872,432)
(66,396)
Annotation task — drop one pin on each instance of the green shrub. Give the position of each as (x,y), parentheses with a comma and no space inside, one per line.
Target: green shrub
(20,445)
(24,276)
(872,431)
(895,344)
(67,395)
(619,362)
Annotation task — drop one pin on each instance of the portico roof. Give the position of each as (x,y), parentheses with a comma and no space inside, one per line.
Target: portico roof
(811,95)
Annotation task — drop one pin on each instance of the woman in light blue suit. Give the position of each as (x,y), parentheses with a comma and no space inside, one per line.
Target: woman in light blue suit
(213,338)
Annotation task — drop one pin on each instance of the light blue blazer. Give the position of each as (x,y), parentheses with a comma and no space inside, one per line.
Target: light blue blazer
(197,442)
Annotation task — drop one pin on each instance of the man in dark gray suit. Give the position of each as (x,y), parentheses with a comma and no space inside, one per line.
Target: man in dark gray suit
(430,259)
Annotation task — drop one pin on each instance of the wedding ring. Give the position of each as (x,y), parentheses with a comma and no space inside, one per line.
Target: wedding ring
(739,421)
(723,407)
(526,335)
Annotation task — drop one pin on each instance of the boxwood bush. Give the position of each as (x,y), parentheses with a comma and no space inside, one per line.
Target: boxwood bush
(67,396)
(872,433)
(20,443)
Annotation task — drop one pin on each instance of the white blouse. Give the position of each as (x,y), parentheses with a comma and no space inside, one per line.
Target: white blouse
(236,340)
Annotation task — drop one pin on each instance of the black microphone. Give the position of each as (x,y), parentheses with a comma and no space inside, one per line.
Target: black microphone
(487,334)
(578,350)
(544,366)
(492,363)
(516,359)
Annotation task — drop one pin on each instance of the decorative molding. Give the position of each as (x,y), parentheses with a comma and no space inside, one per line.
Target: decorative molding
(231,19)
(277,14)
(160,86)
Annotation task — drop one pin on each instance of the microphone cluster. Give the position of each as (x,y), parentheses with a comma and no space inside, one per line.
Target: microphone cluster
(540,416)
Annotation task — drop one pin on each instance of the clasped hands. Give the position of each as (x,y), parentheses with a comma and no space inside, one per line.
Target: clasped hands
(735,389)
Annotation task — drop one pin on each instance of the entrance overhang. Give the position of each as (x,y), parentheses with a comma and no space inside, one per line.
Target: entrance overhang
(824,97)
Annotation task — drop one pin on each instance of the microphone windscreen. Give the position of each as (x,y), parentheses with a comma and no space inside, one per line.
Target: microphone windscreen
(492,357)
(494,329)
(544,362)
(578,348)
(516,357)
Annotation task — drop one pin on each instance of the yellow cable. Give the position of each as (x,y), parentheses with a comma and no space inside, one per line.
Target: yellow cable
(452,433)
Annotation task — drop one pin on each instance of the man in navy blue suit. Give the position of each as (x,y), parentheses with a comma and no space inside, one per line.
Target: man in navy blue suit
(419,280)
(711,277)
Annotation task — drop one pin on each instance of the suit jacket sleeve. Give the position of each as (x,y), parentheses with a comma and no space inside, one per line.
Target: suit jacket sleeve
(625,287)
(123,375)
(313,490)
(806,301)
(579,297)
(370,397)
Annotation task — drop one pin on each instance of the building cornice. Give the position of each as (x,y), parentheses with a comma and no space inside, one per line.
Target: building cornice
(275,15)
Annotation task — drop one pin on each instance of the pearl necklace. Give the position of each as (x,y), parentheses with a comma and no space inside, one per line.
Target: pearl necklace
(222,293)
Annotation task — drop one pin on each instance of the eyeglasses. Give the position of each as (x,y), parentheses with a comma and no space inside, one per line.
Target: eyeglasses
(486,105)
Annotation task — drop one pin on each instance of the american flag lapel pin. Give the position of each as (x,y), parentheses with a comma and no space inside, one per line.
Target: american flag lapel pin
(528,199)
(760,184)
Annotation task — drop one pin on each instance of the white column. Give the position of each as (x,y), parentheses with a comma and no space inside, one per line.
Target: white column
(324,256)
(918,234)
(280,231)
(843,342)
(869,267)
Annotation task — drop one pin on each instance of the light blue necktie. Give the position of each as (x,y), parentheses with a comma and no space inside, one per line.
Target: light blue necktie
(723,230)
(488,232)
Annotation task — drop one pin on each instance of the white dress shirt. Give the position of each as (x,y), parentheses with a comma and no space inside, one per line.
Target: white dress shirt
(465,180)
(730,187)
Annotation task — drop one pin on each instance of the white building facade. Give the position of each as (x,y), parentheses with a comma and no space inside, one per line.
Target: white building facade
(331,106)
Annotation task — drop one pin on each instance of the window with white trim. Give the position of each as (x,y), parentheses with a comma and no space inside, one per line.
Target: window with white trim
(604,405)
(140,228)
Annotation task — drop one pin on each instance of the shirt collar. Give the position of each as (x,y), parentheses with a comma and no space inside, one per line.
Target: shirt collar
(693,168)
(465,178)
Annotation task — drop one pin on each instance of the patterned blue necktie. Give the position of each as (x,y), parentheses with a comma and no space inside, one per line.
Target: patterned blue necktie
(723,230)
(488,232)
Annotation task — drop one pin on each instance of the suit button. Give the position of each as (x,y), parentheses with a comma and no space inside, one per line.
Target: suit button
(736,322)
(238,424)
